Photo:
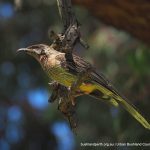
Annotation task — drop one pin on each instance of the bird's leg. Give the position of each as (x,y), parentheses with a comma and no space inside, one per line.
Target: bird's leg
(82,76)
(55,88)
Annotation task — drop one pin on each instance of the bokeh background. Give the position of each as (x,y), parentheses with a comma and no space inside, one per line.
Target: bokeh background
(27,120)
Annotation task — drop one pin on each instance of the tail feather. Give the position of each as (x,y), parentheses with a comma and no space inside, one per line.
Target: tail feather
(133,111)
(116,99)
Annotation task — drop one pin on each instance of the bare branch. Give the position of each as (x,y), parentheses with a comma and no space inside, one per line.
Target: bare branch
(66,13)
(71,34)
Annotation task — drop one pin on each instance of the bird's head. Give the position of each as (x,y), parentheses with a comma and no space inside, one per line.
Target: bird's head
(39,51)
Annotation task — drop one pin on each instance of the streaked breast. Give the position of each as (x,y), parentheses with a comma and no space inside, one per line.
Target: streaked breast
(61,76)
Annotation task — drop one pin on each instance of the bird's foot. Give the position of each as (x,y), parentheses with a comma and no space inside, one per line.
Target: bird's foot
(82,77)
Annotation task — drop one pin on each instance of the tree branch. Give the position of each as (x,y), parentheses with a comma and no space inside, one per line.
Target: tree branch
(66,41)
(66,13)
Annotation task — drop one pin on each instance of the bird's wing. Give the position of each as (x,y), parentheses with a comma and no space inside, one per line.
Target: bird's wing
(78,65)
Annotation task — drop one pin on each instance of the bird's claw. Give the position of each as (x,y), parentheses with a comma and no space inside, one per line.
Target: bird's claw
(53,84)
(76,85)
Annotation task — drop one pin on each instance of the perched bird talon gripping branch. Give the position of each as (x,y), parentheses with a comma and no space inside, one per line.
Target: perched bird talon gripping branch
(82,76)
(67,73)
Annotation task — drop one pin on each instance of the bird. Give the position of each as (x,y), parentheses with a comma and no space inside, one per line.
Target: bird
(70,69)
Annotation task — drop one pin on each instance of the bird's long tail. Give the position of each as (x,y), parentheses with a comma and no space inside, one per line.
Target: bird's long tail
(133,111)
(116,100)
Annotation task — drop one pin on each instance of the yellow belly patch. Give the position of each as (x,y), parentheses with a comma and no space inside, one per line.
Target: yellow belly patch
(61,76)
(88,88)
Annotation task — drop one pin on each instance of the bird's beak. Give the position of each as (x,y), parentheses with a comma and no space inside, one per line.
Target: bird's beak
(27,50)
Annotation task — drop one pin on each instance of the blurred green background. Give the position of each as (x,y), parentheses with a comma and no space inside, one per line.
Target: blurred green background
(27,120)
